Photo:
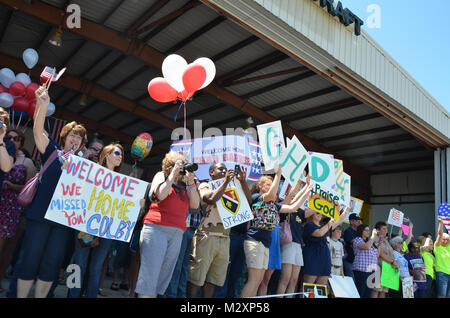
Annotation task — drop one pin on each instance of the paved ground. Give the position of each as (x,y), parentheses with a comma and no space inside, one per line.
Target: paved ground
(61,290)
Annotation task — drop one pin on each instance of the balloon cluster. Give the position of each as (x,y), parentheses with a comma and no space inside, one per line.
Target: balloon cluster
(181,80)
(18,91)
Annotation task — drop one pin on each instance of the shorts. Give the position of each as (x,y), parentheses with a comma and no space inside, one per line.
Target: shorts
(159,246)
(209,260)
(256,254)
(292,254)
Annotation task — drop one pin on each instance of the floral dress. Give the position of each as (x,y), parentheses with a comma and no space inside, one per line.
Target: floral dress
(10,209)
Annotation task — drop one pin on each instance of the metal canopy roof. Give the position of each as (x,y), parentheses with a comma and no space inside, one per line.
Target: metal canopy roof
(248,68)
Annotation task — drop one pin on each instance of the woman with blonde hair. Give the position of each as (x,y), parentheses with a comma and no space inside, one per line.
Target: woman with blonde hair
(45,242)
(111,157)
(172,193)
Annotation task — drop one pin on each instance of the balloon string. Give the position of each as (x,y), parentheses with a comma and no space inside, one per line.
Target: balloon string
(176,115)
(48,125)
(184,105)
(20,118)
(12,124)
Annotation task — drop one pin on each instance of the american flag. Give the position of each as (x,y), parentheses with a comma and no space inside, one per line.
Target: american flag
(444,213)
(47,73)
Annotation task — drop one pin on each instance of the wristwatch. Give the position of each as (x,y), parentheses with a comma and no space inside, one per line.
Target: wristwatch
(2,144)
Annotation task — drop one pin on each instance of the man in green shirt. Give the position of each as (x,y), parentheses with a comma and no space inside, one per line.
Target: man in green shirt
(442,255)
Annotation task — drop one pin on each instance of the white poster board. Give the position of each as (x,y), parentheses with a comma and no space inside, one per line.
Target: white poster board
(357,206)
(343,287)
(95,200)
(271,141)
(293,161)
(408,287)
(233,207)
(395,217)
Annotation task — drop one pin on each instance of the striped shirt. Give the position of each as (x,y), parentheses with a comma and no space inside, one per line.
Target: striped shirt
(365,260)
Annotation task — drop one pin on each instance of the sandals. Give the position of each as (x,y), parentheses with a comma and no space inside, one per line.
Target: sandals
(124,286)
(115,286)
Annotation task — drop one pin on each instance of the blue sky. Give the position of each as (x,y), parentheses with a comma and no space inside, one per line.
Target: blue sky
(416,33)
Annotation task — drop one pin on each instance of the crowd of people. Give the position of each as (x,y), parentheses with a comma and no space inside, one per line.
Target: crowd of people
(180,247)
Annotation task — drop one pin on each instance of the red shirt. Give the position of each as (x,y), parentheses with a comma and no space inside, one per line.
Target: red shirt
(171,211)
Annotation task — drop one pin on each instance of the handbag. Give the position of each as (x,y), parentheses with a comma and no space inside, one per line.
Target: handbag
(26,196)
(285,231)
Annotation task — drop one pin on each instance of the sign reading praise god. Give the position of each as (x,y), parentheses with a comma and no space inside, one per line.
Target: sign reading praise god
(95,200)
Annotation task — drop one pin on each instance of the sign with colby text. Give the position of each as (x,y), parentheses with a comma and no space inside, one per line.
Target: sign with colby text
(231,150)
(233,207)
(95,200)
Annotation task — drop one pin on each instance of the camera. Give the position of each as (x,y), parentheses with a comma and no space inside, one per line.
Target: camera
(236,170)
(1,124)
(191,167)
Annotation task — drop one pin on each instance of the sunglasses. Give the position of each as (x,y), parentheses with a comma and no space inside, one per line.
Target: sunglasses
(117,153)
(95,149)
(15,138)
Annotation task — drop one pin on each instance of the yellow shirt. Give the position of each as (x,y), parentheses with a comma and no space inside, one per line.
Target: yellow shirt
(442,255)
(429,260)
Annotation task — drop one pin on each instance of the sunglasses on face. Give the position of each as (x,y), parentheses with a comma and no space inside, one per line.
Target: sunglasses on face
(117,153)
(95,149)
(15,138)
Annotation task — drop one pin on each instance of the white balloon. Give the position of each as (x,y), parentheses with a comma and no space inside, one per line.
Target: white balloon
(210,68)
(50,109)
(6,100)
(30,57)
(172,68)
(7,77)
(23,78)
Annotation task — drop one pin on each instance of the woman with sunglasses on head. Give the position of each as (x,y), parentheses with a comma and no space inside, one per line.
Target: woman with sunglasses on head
(45,242)
(172,193)
(11,220)
(111,157)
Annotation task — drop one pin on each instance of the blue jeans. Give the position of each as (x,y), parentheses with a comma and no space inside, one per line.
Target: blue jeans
(177,286)
(443,284)
(80,257)
(235,268)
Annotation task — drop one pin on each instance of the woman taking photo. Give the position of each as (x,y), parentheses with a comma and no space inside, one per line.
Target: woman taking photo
(172,193)
(11,217)
(111,157)
(45,242)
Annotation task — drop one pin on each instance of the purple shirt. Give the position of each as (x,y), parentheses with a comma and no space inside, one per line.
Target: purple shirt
(365,260)
(416,265)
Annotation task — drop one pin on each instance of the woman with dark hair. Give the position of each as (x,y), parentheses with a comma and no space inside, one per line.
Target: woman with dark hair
(111,157)
(366,258)
(45,242)
(11,218)
(416,266)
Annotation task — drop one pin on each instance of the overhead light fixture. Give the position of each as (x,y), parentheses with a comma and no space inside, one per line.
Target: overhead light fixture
(83,100)
(56,38)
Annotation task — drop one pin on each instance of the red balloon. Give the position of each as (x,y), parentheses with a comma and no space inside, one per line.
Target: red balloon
(31,108)
(3,89)
(161,91)
(193,77)
(17,89)
(21,104)
(30,90)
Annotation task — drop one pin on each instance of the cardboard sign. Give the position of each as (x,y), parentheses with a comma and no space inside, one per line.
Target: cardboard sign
(356,209)
(390,277)
(395,217)
(95,200)
(324,201)
(293,161)
(407,287)
(343,287)
(314,291)
(230,150)
(233,207)
(271,140)
(322,171)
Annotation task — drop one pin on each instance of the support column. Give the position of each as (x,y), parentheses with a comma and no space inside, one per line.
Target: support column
(441,179)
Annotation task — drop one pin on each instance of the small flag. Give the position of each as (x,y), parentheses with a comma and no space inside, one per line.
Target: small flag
(444,213)
(47,73)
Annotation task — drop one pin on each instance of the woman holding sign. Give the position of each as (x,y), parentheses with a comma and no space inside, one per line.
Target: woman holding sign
(172,193)
(111,157)
(259,235)
(45,242)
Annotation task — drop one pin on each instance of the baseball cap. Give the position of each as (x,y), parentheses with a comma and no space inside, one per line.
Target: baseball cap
(354,216)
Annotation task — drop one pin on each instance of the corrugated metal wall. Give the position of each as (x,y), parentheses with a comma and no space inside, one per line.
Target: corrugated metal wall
(358,54)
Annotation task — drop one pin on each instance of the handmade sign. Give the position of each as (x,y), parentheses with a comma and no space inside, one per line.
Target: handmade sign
(324,202)
(314,291)
(356,209)
(407,287)
(390,277)
(233,207)
(395,217)
(284,189)
(293,161)
(343,180)
(96,200)
(271,141)
(343,287)
(230,150)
